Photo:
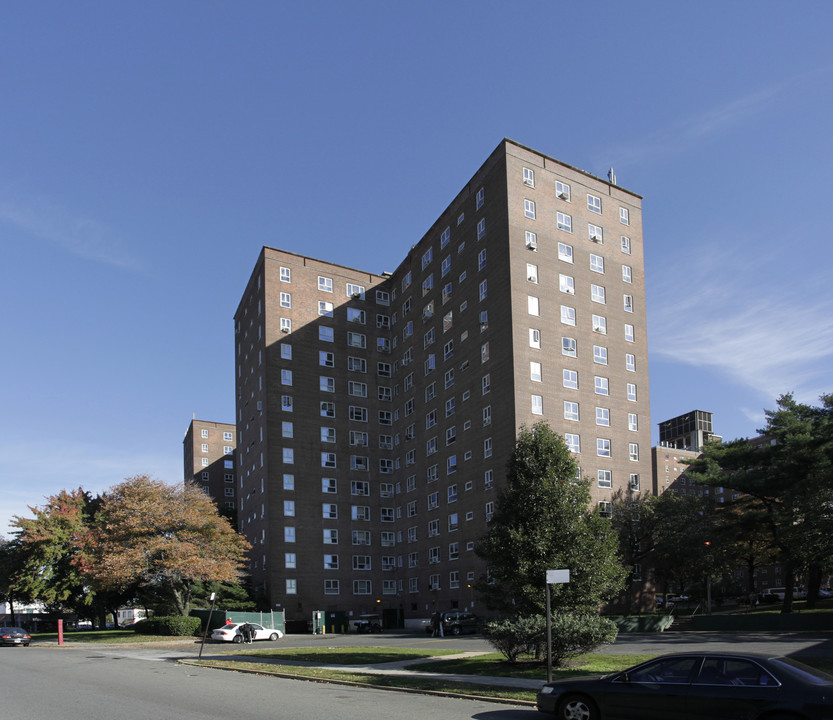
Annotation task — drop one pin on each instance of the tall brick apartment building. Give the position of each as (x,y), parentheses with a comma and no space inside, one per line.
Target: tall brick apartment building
(208,459)
(376,412)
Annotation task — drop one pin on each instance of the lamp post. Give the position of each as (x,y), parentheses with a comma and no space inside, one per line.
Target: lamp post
(553,577)
(207,624)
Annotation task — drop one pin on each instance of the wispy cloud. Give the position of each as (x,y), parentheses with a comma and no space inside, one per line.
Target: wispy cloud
(75,234)
(771,337)
(688,132)
(67,466)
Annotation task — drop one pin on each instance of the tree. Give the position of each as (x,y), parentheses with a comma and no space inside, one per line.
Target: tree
(541,522)
(166,537)
(791,478)
(11,561)
(634,523)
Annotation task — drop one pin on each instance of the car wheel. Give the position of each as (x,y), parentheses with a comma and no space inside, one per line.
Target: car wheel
(238,639)
(273,637)
(577,707)
(456,630)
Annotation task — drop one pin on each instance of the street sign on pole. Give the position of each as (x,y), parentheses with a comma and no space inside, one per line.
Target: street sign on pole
(554,577)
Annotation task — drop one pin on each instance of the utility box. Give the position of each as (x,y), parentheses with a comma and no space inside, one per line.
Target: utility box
(319,622)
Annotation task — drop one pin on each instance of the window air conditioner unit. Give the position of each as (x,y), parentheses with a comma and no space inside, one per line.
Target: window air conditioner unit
(595,238)
(562,195)
(570,290)
(284,330)
(532,278)
(356,295)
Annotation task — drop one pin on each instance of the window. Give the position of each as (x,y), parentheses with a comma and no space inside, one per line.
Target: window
(327,359)
(326,384)
(289,534)
(564,222)
(449,378)
(531,240)
(383,369)
(633,451)
(382,297)
(535,371)
(357,389)
(204,432)
(286,429)
(537,405)
(534,338)
(427,257)
(606,511)
(355,364)
(450,406)
(331,537)
(624,216)
(566,284)
(595,233)
(597,263)
(570,410)
(288,456)
(285,300)
(481,259)
(529,209)
(328,434)
(479,198)
(562,190)
(603,416)
(428,285)
(290,560)
(630,362)
(602,447)
(604,478)
(286,325)
(446,266)
(328,459)
(325,334)
(568,315)
(625,244)
(451,465)
(594,204)
(483,290)
(626,273)
(355,291)
(600,355)
(600,324)
(532,305)
(573,442)
(487,415)
(356,316)
(485,384)
(633,423)
(361,562)
(362,587)
(565,252)
(601,385)
(286,354)
(325,284)
(628,302)
(631,392)
(481,229)
(357,340)
(629,333)
(634,482)
(597,294)
(568,346)
(286,377)
(328,409)
(570,379)
(487,448)
(529,177)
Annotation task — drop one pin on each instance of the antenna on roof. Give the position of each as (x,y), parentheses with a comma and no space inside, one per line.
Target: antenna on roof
(611,177)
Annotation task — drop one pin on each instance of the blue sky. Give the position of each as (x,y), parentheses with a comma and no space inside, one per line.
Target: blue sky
(149,150)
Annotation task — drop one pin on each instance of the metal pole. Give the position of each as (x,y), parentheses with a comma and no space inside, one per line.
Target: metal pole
(207,623)
(549,638)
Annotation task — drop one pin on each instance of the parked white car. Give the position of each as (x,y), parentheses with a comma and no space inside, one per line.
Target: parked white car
(231,633)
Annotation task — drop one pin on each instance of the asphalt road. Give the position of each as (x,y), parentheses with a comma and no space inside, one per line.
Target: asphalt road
(88,683)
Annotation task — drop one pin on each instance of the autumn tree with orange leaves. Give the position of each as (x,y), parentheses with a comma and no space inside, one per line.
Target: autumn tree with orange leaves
(151,534)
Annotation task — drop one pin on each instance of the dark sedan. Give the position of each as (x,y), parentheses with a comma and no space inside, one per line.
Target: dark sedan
(14,636)
(696,686)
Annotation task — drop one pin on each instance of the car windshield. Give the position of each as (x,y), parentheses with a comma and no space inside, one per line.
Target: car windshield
(802,671)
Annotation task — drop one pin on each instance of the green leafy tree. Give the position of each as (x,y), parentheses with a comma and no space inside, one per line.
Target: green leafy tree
(791,478)
(151,534)
(11,561)
(634,523)
(541,522)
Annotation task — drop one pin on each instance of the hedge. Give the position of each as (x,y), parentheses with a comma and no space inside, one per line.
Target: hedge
(170,625)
